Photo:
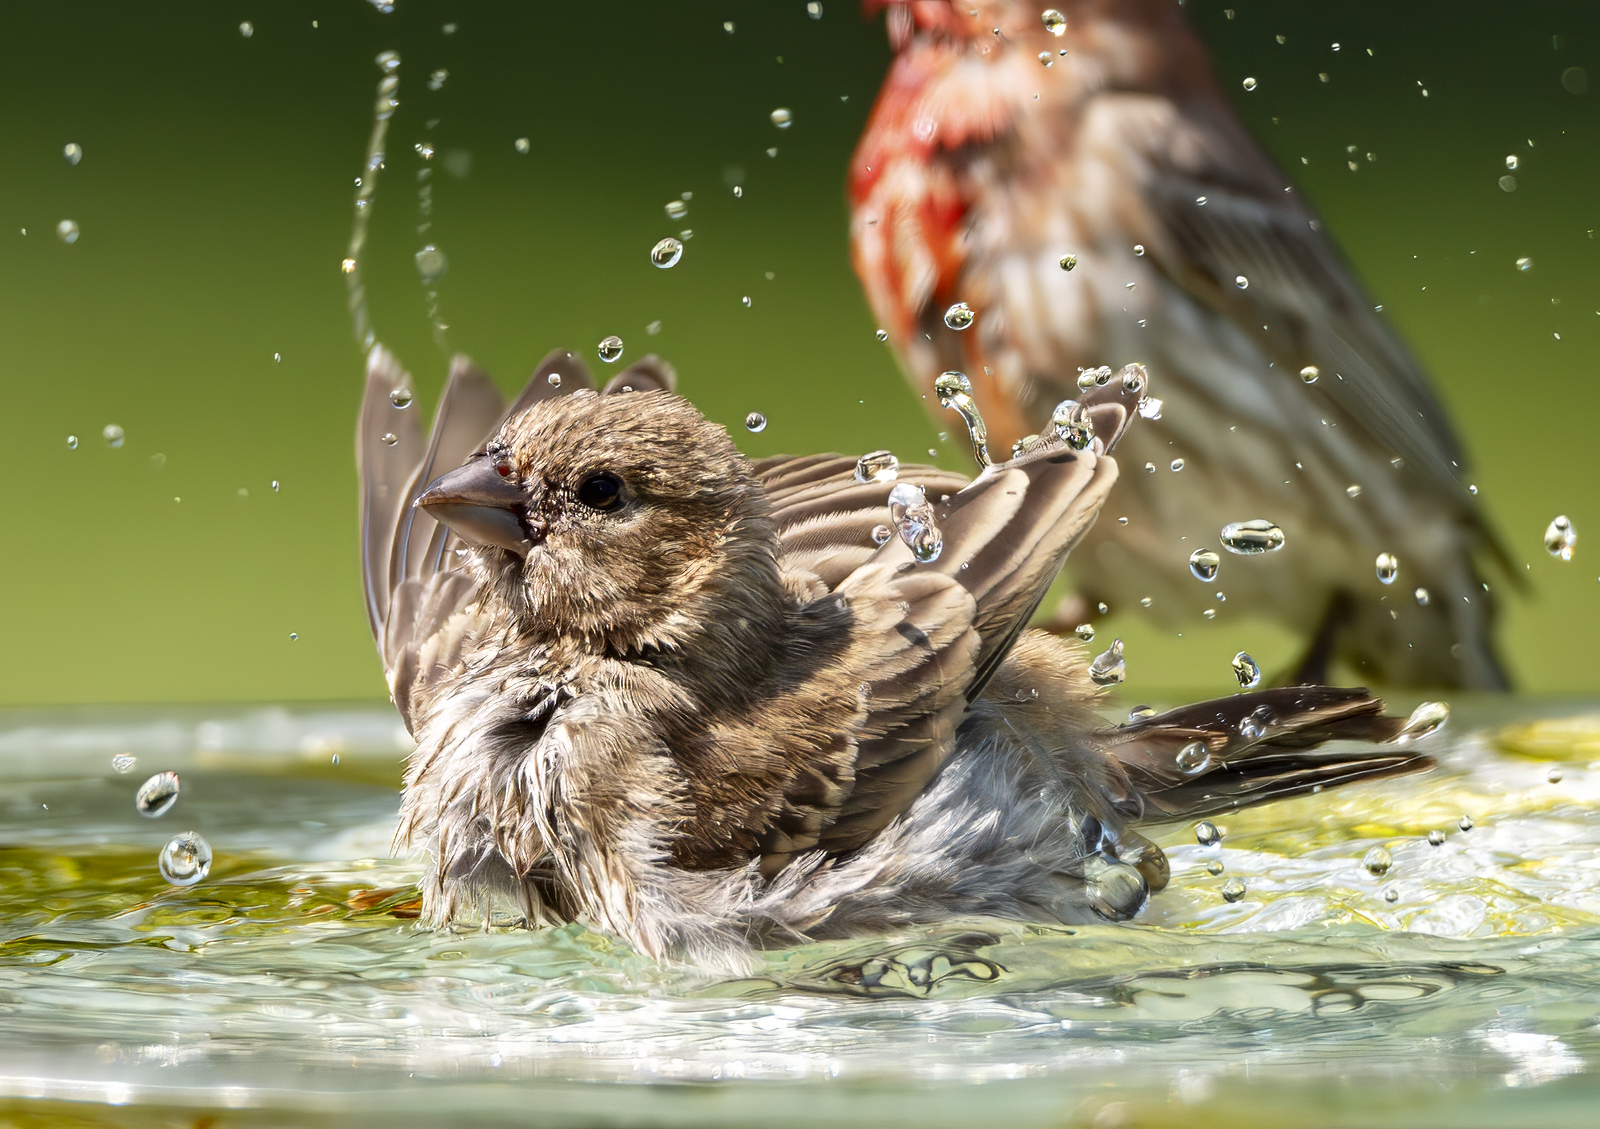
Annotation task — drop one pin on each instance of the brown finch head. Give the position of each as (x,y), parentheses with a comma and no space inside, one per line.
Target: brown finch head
(619,520)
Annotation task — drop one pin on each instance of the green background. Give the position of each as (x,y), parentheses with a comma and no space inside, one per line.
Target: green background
(214,200)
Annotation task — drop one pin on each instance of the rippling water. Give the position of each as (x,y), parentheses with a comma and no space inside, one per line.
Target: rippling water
(284,989)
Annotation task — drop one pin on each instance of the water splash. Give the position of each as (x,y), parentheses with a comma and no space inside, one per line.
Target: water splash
(383,108)
(955,391)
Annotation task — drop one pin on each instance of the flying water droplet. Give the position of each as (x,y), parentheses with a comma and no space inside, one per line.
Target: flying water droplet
(1138,250)
(72,442)
(877,466)
(1560,538)
(1044,57)
(1068,262)
(274,485)
(1241,282)
(400,397)
(1511,163)
(1073,425)
(1388,567)
(1054,22)
(1258,535)
(1109,666)
(1203,563)
(73,152)
(1429,717)
(1310,373)
(431,264)
(123,763)
(881,534)
(1085,631)
(1249,84)
(1422,597)
(755,421)
(113,435)
(1150,407)
(1377,862)
(814,9)
(1352,491)
(677,209)
(745,301)
(911,514)
(1246,670)
(666,253)
(522,145)
(782,118)
(185,860)
(955,391)
(388,61)
(1134,379)
(959,316)
(881,334)
(247,29)
(67,231)
(1194,758)
(1524,263)
(157,795)
(1206,833)
(388,439)
(1233,889)
(1177,465)
(610,348)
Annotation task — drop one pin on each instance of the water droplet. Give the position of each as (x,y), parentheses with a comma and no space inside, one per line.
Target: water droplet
(1554,776)
(1508,183)
(123,763)
(1094,378)
(955,392)
(247,29)
(1246,670)
(388,61)
(677,209)
(1134,379)
(1560,538)
(431,264)
(294,636)
(1258,535)
(610,348)
(1429,717)
(881,334)
(814,9)
(437,79)
(1310,373)
(185,860)
(881,534)
(1138,250)
(1115,890)
(274,485)
(877,466)
(1044,57)
(1377,862)
(745,301)
(1054,22)
(400,397)
(1352,491)
(1422,597)
(1177,465)
(112,434)
(666,253)
(388,439)
(1203,563)
(67,231)
(755,421)
(1465,823)
(1575,80)
(1249,84)
(1436,838)
(1150,407)
(522,145)
(1241,282)
(73,152)
(1214,867)
(1139,713)
(1524,263)
(1391,895)
(1109,666)
(1388,567)
(157,795)
(781,118)
(72,442)
(1194,758)
(1206,833)
(348,266)
(1233,889)
(1072,423)
(1511,162)
(1254,726)
(1068,262)
(727,26)
(1085,631)
(958,316)
(912,517)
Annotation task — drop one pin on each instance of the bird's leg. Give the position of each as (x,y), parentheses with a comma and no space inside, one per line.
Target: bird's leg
(1312,669)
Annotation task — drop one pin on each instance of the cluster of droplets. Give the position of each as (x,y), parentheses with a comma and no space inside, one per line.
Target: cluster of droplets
(911,515)
(186,858)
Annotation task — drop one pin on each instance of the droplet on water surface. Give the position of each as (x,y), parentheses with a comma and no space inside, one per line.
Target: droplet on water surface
(1377,862)
(1072,423)
(1560,538)
(1388,567)
(912,517)
(1206,833)
(1109,666)
(1465,823)
(755,421)
(666,253)
(1085,631)
(1203,563)
(1554,776)
(431,264)
(1391,895)
(877,466)
(1054,22)
(124,762)
(958,316)
(185,860)
(610,348)
(1429,717)
(157,795)
(113,435)
(1068,262)
(1214,867)
(73,152)
(1310,373)
(1194,758)
(1246,671)
(1258,535)
(400,397)
(1436,838)
(955,392)
(67,231)
(1233,889)
(781,117)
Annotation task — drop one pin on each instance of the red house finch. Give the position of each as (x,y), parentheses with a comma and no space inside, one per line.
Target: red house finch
(695,700)
(1077,179)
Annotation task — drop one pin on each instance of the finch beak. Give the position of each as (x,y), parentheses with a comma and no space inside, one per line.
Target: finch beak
(481,505)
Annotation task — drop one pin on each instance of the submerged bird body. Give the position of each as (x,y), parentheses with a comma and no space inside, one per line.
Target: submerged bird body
(982,169)
(691,699)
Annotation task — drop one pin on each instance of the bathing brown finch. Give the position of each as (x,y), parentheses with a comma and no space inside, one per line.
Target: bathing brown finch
(705,703)
(1076,177)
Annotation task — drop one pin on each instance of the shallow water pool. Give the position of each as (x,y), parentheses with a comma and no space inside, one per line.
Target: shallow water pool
(289,988)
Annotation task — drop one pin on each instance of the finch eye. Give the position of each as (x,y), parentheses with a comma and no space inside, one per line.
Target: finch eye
(601,491)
